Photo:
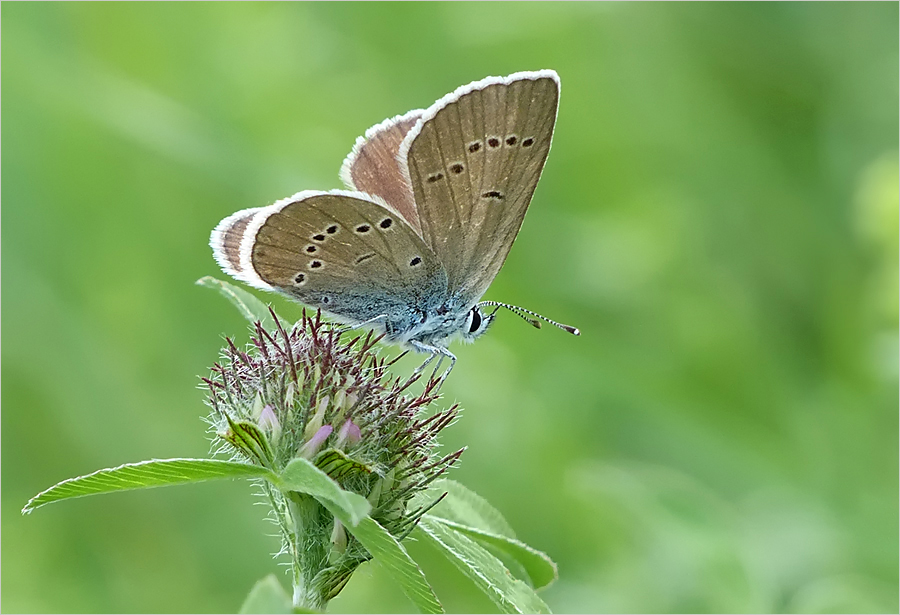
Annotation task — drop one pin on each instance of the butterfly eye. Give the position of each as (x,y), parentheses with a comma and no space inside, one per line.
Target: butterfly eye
(475,320)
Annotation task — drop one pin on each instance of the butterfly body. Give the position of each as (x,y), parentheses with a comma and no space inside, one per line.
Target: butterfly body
(437,198)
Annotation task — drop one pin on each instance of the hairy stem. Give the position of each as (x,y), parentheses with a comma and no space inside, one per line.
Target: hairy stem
(307,551)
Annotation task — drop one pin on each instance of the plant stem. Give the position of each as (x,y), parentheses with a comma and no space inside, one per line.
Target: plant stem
(307,553)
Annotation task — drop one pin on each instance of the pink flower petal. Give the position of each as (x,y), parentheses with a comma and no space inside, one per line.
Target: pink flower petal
(312,447)
(349,433)
(268,420)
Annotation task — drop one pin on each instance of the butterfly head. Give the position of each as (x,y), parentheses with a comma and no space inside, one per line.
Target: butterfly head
(477,323)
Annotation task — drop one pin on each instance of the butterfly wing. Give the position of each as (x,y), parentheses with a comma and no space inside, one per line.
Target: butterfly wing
(474,160)
(348,253)
(225,241)
(372,166)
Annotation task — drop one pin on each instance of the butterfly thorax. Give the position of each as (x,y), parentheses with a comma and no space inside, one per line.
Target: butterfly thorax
(437,330)
(440,326)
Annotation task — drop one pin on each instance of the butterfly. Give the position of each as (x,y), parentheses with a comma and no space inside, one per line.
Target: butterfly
(435,200)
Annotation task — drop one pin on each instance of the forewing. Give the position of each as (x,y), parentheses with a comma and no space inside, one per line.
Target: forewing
(343,252)
(474,161)
(372,166)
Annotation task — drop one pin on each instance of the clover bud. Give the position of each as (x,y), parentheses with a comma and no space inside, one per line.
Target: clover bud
(307,393)
(348,434)
(315,423)
(269,422)
(309,450)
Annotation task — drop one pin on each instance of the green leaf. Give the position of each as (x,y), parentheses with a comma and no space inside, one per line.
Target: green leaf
(464,506)
(339,466)
(486,571)
(267,596)
(388,552)
(301,475)
(541,570)
(247,304)
(468,512)
(250,439)
(145,474)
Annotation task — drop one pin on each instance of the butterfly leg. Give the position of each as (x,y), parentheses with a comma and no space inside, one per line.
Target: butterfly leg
(445,354)
(424,348)
(436,352)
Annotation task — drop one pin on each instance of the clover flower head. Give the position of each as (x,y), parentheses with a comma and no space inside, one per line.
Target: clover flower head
(309,393)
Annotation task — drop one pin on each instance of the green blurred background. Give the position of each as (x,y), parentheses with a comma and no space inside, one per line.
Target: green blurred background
(719,216)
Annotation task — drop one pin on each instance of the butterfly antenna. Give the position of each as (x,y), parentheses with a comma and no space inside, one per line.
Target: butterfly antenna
(532,321)
(518,311)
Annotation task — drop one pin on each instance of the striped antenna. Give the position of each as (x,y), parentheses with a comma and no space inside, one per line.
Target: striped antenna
(518,311)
